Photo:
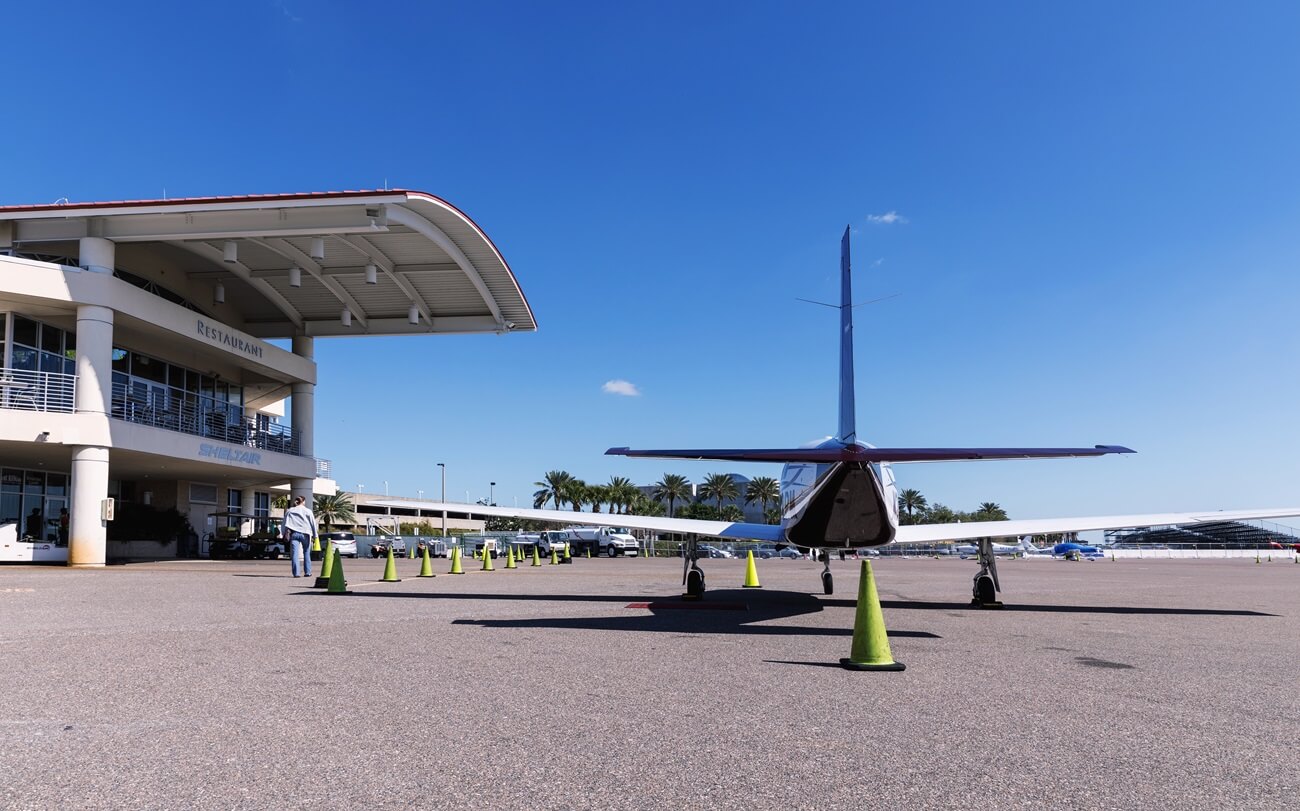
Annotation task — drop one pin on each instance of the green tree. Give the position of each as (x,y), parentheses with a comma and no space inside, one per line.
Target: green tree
(553,486)
(989,511)
(335,509)
(575,493)
(622,493)
(772,515)
(598,494)
(720,487)
(644,505)
(763,489)
(912,503)
(731,513)
(671,488)
(700,510)
(938,514)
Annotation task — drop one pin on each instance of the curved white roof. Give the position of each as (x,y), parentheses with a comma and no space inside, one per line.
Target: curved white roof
(426,254)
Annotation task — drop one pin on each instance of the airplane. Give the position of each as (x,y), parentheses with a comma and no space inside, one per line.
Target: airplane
(1011,549)
(840,493)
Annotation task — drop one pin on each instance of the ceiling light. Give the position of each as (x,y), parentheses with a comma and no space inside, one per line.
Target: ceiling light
(295,277)
(372,274)
(413,315)
(346,317)
(219,293)
(230,252)
(317,247)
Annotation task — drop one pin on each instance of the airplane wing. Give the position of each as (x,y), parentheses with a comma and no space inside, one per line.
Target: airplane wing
(860,453)
(934,533)
(718,529)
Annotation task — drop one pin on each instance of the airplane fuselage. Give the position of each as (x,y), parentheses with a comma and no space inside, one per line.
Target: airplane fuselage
(838,504)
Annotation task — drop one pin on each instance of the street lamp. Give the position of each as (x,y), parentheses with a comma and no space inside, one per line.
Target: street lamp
(385,488)
(492,502)
(444,497)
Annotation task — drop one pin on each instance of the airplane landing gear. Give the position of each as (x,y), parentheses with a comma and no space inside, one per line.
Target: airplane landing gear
(828,582)
(985,588)
(692,574)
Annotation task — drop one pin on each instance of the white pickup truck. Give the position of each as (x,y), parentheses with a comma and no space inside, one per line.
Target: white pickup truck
(612,541)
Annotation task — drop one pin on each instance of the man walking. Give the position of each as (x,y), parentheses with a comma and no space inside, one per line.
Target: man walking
(299,529)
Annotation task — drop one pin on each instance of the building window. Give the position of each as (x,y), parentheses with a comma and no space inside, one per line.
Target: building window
(34,500)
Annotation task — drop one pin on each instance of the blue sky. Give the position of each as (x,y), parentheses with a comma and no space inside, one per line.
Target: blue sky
(1095,240)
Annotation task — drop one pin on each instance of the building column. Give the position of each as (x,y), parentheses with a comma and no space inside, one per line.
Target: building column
(302,417)
(87,532)
(97,255)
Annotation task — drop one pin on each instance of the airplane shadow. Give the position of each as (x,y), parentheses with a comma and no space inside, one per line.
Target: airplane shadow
(1061,609)
(721,612)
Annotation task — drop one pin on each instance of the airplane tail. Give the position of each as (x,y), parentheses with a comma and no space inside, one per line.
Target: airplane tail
(848,422)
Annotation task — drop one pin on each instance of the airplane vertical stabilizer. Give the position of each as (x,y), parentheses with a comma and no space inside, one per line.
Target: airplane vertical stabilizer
(848,429)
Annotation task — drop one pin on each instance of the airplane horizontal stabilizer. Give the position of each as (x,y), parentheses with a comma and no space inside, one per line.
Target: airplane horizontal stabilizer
(972,530)
(859,453)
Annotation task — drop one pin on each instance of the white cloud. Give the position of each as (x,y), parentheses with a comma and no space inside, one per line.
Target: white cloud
(621,387)
(888,218)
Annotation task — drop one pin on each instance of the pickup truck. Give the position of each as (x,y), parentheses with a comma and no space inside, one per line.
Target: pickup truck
(612,541)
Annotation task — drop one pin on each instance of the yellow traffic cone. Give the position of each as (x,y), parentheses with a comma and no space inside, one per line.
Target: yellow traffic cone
(487,561)
(390,569)
(410,553)
(315,543)
(553,556)
(751,572)
(326,567)
(870,650)
(536,560)
(426,565)
(510,558)
(455,561)
(588,553)
(337,584)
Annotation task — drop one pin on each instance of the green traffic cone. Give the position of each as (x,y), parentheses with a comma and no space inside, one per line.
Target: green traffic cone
(455,561)
(410,553)
(553,556)
(390,569)
(588,553)
(751,572)
(510,558)
(870,650)
(337,584)
(536,560)
(426,565)
(487,561)
(326,567)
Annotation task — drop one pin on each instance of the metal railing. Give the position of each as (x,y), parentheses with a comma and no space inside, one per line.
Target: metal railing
(189,416)
(37,391)
(324,469)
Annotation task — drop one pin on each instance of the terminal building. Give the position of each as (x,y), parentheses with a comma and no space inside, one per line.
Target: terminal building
(157,356)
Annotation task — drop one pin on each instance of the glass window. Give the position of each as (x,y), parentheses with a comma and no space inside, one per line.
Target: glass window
(51,362)
(56,484)
(69,343)
(262,505)
(11,508)
(121,360)
(25,331)
(51,339)
(11,480)
(23,358)
(148,368)
(33,482)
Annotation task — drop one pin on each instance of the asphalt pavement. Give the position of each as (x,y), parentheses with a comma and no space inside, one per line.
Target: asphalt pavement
(222,685)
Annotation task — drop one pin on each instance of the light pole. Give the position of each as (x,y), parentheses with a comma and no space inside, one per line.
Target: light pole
(444,497)
(492,486)
(385,488)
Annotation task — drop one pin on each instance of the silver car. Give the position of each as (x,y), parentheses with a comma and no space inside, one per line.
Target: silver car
(344,542)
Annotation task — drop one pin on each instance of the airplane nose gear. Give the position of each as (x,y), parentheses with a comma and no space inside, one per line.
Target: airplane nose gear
(828,582)
(692,574)
(986,586)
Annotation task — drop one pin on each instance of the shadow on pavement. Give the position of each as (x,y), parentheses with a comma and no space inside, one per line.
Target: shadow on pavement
(1059,609)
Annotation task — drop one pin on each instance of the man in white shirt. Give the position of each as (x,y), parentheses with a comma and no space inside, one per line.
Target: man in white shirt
(299,529)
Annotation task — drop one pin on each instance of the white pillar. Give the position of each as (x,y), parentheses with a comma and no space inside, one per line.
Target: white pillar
(302,416)
(87,533)
(97,255)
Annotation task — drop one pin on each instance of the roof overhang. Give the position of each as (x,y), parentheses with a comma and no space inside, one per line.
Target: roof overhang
(399,262)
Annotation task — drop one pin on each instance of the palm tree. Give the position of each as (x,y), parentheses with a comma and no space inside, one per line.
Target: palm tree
(597,495)
(772,515)
(912,501)
(731,513)
(643,505)
(553,486)
(719,487)
(763,489)
(621,492)
(575,492)
(280,501)
(672,487)
(991,511)
(335,509)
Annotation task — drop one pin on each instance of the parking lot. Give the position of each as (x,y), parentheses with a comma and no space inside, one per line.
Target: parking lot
(227,684)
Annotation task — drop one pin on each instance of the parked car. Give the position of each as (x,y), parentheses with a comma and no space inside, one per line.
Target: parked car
(766,552)
(344,542)
(714,552)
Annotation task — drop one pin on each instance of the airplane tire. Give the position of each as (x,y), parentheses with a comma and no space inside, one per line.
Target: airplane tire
(828,583)
(695,583)
(984,591)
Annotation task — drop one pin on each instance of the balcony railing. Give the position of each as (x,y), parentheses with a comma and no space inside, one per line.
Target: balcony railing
(324,469)
(172,410)
(36,391)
